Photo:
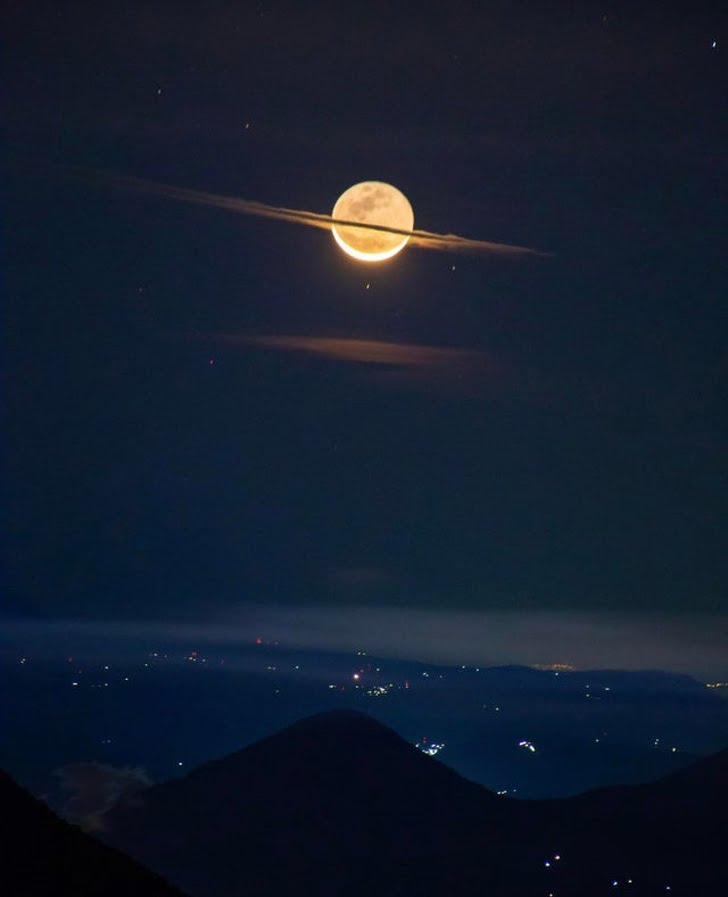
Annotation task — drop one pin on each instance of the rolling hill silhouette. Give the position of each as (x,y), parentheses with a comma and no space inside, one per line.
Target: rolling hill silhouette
(340,804)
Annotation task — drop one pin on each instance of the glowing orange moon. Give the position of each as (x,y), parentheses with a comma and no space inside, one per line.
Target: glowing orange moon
(372,202)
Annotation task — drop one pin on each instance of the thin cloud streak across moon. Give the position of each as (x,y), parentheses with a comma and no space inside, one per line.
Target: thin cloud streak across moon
(421,238)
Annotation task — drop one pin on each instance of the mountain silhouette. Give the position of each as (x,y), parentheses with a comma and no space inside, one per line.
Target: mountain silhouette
(43,856)
(340,804)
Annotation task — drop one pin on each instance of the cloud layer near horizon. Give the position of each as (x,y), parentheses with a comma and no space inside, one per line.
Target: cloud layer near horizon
(694,645)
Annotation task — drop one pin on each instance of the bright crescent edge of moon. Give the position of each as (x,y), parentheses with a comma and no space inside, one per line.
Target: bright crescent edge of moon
(372,202)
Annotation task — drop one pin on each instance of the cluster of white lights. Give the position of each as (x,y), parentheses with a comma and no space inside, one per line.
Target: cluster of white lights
(431,749)
(528,745)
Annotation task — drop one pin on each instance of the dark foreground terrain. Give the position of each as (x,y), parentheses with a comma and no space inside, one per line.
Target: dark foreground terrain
(340,804)
(42,856)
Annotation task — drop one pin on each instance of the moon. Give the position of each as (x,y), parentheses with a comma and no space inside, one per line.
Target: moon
(372,202)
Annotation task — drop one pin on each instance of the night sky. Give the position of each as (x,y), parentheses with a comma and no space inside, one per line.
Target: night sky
(184,445)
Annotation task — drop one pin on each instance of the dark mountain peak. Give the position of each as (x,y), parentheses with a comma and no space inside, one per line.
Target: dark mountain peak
(340,748)
(338,730)
(336,720)
(339,803)
(329,789)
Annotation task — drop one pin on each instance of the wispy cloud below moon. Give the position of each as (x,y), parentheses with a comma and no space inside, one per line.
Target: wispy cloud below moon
(390,364)
(362,351)
(421,239)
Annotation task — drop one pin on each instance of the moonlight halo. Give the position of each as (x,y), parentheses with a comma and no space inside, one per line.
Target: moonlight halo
(372,203)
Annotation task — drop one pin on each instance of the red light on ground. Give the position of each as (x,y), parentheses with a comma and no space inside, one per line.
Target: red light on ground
(259,641)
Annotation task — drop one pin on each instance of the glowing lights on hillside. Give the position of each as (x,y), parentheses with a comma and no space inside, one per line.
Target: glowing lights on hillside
(430,748)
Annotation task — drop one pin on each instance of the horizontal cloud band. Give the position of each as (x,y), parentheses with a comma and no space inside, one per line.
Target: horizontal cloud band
(685,643)
(419,238)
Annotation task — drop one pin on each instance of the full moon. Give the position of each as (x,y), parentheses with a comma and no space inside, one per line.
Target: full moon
(372,202)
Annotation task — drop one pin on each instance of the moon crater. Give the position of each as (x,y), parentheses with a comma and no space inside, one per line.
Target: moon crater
(372,203)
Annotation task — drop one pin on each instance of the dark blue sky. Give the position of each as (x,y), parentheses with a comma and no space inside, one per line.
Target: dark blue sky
(579,464)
